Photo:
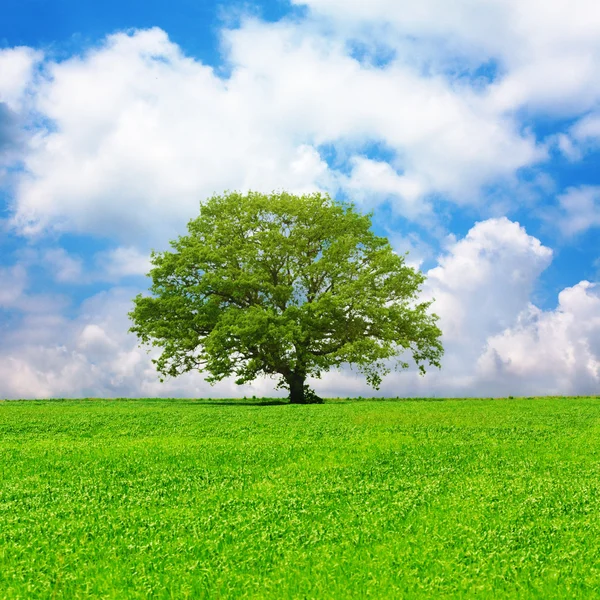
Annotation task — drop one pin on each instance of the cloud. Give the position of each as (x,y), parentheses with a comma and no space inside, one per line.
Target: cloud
(140,133)
(443,135)
(124,140)
(14,296)
(372,180)
(588,128)
(120,262)
(578,210)
(16,66)
(483,281)
(10,133)
(555,84)
(546,51)
(496,341)
(13,281)
(112,265)
(418,250)
(46,354)
(64,267)
(581,138)
(548,352)
(17,70)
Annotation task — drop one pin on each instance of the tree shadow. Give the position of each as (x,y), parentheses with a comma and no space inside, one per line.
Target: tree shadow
(180,401)
(265,401)
(236,402)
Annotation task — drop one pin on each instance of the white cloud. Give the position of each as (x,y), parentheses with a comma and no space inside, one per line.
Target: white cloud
(371,180)
(481,284)
(496,341)
(582,137)
(588,128)
(444,135)
(141,133)
(568,146)
(550,352)
(121,262)
(418,250)
(65,268)
(548,51)
(579,210)
(16,67)
(138,134)
(111,265)
(556,84)
(49,355)
(484,280)
(13,281)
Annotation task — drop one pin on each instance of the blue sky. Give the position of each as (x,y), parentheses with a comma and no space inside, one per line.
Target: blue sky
(67,25)
(473,134)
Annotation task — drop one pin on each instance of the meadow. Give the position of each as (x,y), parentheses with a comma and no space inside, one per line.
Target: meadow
(349,499)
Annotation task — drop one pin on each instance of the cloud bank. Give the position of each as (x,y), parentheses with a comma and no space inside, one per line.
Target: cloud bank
(137,132)
(413,109)
(497,342)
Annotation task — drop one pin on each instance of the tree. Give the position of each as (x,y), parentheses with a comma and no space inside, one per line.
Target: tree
(284,286)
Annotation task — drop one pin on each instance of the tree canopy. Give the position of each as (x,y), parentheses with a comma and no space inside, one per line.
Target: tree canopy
(284,286)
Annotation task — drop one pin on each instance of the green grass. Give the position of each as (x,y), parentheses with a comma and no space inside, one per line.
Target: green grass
(386,499)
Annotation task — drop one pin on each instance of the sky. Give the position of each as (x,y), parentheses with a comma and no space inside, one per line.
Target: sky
(470,129)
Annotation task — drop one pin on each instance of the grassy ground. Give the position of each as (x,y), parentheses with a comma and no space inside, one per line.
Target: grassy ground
(388,499)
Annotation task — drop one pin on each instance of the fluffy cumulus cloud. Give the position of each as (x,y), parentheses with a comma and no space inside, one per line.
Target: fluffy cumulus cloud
(12,284)
(579,209)
(17,66)
(424,107)
(10,134)
(496,341)
(582,138)
(587,129)
(64,268)
(547,352)
(484,280)
(547,51)
(45,354)
(139,133)
(122,261)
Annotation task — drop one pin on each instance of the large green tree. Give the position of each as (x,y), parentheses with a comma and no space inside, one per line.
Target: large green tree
(285,286)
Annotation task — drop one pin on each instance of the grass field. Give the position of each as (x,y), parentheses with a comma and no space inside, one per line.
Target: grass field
(356,499)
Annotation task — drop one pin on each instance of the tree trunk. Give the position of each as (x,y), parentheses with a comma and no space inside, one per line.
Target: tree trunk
(296,385)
